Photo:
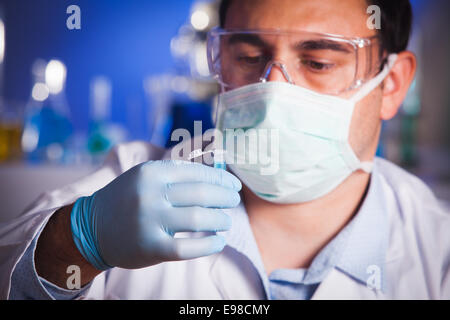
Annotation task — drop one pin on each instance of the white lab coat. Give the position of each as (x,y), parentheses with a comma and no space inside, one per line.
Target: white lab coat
(417,262)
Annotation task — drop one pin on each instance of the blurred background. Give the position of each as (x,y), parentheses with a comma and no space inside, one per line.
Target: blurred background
(137,70)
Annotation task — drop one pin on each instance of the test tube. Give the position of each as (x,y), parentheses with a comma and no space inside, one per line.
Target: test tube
(218,156)
(219,159)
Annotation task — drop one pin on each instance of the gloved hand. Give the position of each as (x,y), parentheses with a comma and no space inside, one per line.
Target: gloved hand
(131,222)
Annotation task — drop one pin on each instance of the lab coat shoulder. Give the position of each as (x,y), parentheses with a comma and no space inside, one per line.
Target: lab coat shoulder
(418,257)
(17,234)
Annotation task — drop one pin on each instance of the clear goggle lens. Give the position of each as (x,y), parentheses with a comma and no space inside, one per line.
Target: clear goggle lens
(323,63)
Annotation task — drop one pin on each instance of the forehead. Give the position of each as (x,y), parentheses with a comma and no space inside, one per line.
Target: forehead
(347,18)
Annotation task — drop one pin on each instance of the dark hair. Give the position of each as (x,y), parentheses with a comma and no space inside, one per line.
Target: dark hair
(396,22)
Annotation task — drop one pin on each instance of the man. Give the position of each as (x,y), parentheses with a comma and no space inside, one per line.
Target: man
(331,222)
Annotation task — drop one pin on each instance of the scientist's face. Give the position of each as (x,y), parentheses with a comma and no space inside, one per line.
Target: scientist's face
(346,18)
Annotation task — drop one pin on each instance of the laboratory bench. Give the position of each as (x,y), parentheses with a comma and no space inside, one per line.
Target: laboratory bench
(21,183)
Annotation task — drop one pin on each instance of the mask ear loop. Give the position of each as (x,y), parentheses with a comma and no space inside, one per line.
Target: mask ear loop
(375,82)
(367,166)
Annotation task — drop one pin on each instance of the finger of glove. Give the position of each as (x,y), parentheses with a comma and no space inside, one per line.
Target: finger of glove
(190,248)
(201,194)
(195,172)
(197,219)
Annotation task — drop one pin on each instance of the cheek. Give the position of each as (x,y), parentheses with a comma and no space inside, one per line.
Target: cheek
(365,125)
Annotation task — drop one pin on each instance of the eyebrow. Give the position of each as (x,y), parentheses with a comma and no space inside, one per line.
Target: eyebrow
(322,45)
(251,39)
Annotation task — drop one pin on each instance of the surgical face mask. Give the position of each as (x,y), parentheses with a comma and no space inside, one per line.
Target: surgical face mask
(309,155)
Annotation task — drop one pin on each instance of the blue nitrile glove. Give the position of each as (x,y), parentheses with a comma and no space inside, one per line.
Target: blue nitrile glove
(131,222)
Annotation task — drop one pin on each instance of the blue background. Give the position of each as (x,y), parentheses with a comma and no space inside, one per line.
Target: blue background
(123,40)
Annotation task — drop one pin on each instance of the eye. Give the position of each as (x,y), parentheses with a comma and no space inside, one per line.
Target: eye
(251,60)
(316,65)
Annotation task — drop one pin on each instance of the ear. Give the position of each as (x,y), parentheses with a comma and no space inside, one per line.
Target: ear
(397,83)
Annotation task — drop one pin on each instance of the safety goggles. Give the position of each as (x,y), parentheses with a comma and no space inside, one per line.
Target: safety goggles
(324,63)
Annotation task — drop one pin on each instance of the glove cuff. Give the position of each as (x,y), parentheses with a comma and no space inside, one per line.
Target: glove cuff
(83,224)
